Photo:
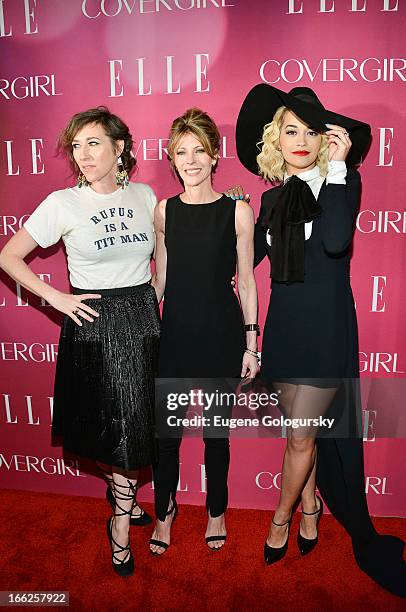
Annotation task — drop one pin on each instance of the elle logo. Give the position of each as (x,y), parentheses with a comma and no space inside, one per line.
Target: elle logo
(31,26)
(355,6)
(169,84)
(37,165)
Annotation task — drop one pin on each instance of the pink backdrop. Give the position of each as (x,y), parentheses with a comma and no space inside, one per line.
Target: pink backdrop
(149,60)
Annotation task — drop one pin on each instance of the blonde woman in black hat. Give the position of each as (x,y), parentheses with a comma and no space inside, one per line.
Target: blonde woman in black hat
(310,345)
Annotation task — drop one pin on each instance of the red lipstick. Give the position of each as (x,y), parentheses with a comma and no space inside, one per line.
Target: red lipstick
(303,153)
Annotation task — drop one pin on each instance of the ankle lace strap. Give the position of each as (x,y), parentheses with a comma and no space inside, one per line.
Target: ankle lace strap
(124,493)
(120,548)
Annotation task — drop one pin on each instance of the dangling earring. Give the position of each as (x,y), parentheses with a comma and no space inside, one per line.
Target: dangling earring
(82,181)
(122,179)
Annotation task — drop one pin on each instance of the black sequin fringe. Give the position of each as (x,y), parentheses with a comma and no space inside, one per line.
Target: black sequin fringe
(104,385)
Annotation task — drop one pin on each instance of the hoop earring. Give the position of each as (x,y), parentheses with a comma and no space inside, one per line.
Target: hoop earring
(122,179)
(82,181)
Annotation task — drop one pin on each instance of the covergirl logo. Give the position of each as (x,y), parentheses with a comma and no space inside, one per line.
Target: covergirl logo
(354,6)
(380,363)
(382,222)
(373,484)
(92,9)
(9,224)
(155,149)
(36,352)
(22,87)
(369,69)
(268,480)
(40,465)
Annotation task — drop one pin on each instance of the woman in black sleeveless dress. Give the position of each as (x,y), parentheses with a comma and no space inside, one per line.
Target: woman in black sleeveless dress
(200,235)
(310,346)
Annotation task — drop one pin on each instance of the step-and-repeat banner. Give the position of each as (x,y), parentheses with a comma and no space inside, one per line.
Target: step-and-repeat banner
(148,61)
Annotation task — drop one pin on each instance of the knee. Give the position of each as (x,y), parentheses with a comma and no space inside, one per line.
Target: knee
(301,445)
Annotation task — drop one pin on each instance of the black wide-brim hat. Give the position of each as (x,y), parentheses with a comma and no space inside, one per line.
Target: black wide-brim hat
(264,100)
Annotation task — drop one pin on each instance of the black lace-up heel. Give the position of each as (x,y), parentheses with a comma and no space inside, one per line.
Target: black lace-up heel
(123,567)
(140,520)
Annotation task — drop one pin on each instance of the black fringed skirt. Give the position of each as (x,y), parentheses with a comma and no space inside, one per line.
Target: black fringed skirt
(104,386)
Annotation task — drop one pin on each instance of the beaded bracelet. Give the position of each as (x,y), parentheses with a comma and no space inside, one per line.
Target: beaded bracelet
(253,353)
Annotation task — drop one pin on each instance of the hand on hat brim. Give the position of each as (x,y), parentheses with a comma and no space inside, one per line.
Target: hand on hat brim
(339,142)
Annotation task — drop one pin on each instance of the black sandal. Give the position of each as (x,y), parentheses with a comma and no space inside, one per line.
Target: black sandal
(213,539)
(159,543)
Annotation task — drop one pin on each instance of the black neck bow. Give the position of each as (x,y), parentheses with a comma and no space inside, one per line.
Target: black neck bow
(295,205)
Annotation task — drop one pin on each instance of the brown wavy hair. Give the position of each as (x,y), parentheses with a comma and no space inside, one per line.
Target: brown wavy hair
(114,127)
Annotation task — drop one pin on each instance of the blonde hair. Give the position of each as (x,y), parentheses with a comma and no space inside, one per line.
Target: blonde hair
(270,160)
(198,123)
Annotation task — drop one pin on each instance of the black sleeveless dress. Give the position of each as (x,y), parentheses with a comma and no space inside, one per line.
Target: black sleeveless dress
(202,323)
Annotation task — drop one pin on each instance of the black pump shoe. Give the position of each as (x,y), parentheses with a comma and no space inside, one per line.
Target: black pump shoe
(271,554)
(304,544)
(143,519)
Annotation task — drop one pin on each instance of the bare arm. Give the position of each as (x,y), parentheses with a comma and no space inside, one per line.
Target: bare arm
(159,278)
(247,290)
(12,261)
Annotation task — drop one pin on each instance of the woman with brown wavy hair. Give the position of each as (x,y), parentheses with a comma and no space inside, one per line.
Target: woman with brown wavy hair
(104,386)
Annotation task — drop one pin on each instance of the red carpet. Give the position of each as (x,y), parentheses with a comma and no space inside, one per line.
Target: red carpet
(56,542)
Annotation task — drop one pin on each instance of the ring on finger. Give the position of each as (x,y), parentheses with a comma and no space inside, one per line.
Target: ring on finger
(76,311)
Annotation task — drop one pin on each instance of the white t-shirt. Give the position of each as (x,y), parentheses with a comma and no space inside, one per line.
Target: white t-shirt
(109,238)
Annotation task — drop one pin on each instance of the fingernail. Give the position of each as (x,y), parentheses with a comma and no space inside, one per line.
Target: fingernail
(233,197)
(329,125)
(241,197)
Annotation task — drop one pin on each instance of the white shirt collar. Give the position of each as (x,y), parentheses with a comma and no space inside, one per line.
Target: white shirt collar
(307,176)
